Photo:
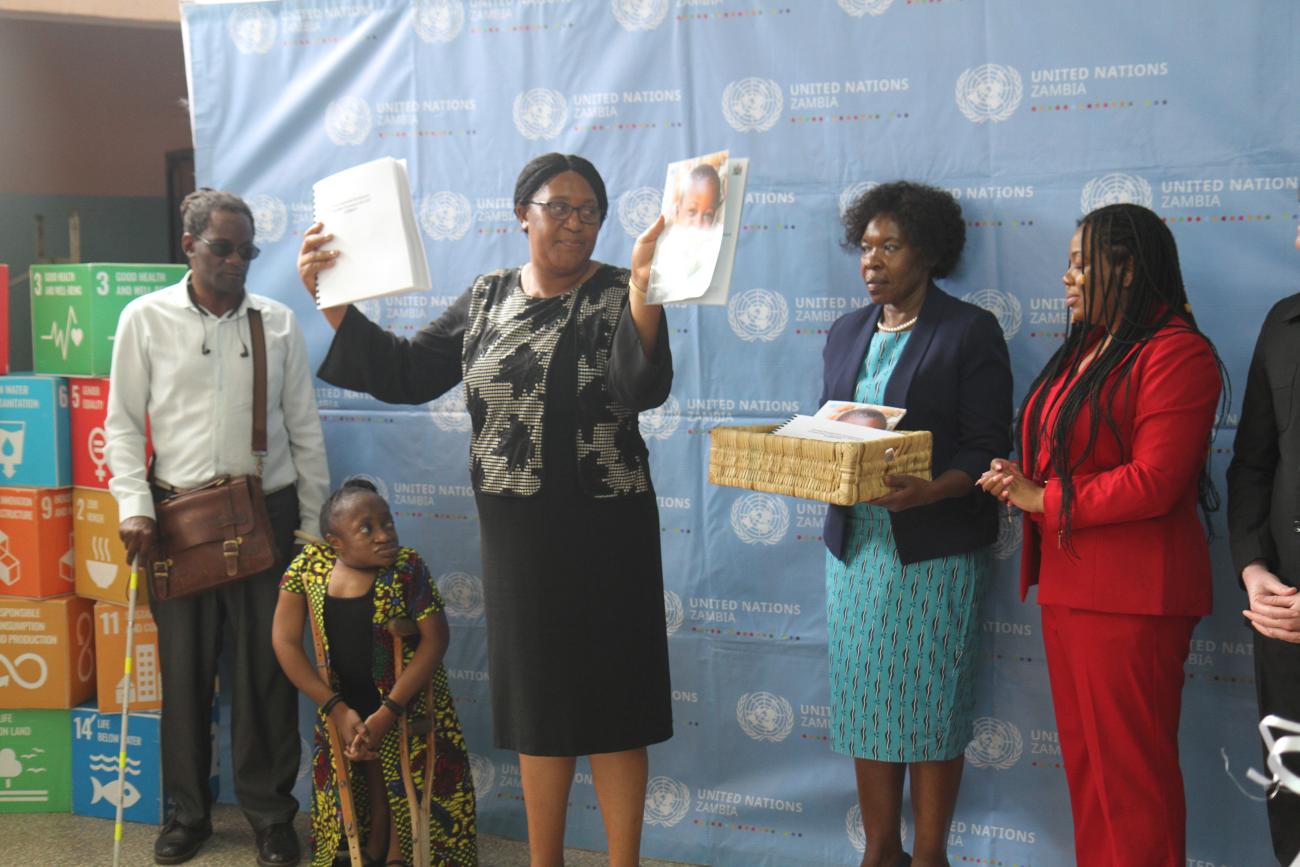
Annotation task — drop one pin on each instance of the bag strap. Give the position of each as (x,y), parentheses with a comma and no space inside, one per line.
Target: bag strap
(258,336)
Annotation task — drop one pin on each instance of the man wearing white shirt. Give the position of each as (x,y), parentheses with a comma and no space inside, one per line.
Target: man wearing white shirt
(182,362)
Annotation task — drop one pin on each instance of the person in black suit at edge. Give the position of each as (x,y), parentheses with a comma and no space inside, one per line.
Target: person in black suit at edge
(1264,526)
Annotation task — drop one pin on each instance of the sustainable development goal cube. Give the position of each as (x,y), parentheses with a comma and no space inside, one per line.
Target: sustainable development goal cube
(75,309)
(36,544)
(4,319)
(35,761)
(110,649)
(96,742)
(88,397)
(35,451)
(100,558)
(47,652)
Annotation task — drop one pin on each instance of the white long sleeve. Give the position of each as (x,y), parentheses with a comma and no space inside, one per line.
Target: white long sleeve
(199,403)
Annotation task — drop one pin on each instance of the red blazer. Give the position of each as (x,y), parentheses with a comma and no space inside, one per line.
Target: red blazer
(1139,545)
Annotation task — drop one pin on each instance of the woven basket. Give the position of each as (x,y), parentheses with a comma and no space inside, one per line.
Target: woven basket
(841,473)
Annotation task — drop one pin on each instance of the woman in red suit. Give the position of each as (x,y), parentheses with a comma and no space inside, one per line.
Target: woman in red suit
(1114,437)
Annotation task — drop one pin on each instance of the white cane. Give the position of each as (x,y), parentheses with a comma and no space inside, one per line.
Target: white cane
(126,702)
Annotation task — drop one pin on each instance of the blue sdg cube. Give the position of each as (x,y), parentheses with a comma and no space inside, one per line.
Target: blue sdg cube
(95,787)
(35,445)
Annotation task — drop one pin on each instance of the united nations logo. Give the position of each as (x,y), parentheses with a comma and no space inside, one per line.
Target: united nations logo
(853,192)
(371,308)
(765,716)
(380,487)
(347,120)
(462,594)
(858,8)
(449,412)
(1003,305)
(445,216)
(752,104)
(639,14)
(989,92)
(853,827)
(484,774)
(270,217)
(638,208)
(1010,535)
(858,834)
(252,29)
(997,744)
(1115,188)
(667,801)
(674,614)
(758,314)
(438,20)
(760,519)
(540,113)
(660,423)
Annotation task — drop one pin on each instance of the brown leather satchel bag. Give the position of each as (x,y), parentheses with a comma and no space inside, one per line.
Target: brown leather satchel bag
(220,531)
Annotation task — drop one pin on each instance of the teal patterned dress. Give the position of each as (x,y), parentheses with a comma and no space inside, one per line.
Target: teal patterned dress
(902,639)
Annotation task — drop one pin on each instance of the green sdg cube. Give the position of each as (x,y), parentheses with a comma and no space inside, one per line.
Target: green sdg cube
(35,761)
(75,310)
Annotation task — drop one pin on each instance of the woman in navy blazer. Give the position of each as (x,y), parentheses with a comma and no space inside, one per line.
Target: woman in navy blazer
(905,574)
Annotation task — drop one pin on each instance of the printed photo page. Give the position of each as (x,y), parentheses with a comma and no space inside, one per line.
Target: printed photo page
(845,421)
(701,205)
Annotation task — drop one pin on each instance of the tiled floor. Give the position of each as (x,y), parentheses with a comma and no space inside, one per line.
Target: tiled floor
(64,840)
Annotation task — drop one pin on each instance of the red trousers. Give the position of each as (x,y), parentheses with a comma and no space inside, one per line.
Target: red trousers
(1117,687)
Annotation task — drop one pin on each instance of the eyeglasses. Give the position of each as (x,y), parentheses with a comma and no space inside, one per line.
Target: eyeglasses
(560,211)
(221,248)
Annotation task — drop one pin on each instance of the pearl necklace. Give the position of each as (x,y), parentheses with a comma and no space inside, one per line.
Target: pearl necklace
(894,329)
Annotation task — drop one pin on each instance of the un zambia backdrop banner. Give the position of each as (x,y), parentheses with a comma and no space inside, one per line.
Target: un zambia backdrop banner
(1030,113)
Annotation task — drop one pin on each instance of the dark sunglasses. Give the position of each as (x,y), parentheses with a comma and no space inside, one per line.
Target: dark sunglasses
(221,248)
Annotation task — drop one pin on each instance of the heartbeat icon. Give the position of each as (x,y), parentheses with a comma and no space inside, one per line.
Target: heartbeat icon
(69,333)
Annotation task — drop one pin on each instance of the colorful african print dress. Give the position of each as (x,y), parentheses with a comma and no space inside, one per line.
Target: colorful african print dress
(901,638)
(404,590)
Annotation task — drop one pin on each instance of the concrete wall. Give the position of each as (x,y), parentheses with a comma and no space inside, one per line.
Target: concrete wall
(89,113)
(134,11)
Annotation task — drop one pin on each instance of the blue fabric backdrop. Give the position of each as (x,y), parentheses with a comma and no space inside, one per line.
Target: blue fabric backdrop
(1031,113)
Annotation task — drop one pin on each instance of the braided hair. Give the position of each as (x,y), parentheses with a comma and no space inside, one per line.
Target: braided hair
(541,169)
(1139,250)
(335,501)
(197,208)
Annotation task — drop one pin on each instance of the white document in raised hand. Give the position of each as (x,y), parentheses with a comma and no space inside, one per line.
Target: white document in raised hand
(368,210)
(701,203)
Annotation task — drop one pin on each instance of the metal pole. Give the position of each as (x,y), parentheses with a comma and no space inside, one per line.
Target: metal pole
(126,703)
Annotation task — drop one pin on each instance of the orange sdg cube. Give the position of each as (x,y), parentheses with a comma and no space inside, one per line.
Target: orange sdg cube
(35,542)
(102,570)
(110,649)
(47,652)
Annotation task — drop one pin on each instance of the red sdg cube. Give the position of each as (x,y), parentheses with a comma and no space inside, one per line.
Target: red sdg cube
(89,398)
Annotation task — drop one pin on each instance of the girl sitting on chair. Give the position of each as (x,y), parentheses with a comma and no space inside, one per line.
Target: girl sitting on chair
(380,712)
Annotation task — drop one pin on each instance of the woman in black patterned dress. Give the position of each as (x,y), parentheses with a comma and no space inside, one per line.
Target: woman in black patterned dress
(557,358)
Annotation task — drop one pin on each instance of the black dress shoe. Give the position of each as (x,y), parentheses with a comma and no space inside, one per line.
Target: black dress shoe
(179,843)
(277,846)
